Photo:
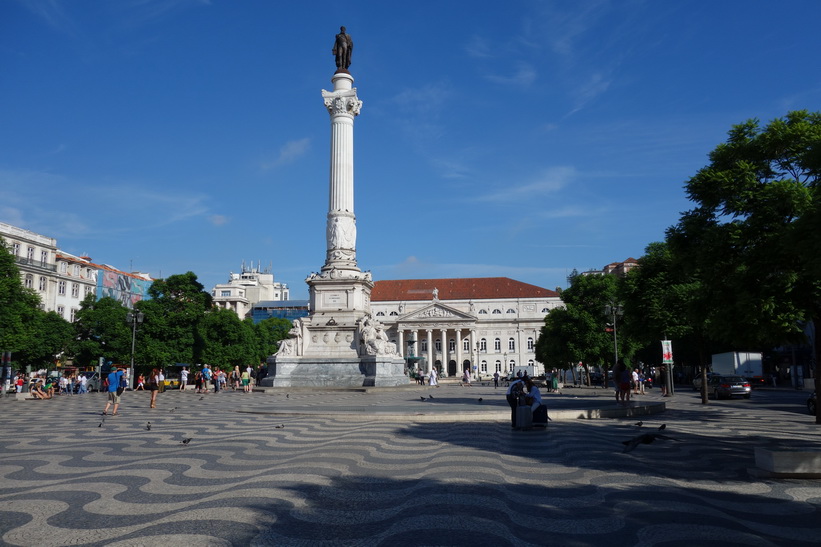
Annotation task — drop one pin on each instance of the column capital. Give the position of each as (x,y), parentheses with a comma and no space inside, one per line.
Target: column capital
(342,102)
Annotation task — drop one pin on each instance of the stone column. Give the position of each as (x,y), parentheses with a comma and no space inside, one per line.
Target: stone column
(444,335)
(343,105)
(400,342)
(474,349)
(459,348)
(430,351)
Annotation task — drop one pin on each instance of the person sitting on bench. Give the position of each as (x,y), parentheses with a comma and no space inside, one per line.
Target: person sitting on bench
(534,399)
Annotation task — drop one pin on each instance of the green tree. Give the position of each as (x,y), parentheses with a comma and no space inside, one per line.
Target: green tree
(101,331)
(268,333)
(664,300)
(170,331)
(228,341)
(35,337)
(17,305)
(580,332)
(50,337)
(756,205)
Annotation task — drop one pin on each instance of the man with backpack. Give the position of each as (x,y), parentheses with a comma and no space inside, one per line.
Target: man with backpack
(116,385)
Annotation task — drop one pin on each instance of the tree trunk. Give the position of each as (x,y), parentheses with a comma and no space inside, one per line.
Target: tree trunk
(816,322)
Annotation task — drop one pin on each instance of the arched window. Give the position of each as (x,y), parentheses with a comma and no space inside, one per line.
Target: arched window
(530,345)
(451,345)
(545,310)
(29,282)
(438,345)
(512,364)
(466,344)
(497,312)
(498,366)
(423,345)
(530,362)
(482,312)
(483,345)
(511,310)
(511,344)
(497,345)
(380,314)
(393,313)
(483,366)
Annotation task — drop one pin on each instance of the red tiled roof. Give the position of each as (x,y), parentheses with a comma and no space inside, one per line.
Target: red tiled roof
(456,289)
(98,266)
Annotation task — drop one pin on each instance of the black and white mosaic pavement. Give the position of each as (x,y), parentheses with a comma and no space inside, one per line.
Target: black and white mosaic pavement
(252,477)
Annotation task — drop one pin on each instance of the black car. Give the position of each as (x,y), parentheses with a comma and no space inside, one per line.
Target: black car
(811,404)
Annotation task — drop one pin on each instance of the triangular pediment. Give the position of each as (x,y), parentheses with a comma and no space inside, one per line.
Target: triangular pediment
(436,311)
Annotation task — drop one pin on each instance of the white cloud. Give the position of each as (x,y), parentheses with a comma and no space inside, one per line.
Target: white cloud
(524,76)
(218,220)
(289,153)
(548,181)
(100,210)
(478,47)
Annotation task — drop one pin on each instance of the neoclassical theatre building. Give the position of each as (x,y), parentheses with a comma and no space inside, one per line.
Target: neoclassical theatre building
(478,324)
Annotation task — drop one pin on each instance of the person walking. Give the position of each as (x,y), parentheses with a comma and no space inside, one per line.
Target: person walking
(183,378)
(246,381)
(432,379)
(236,376)
(115,389)
(495,379)
(154,386)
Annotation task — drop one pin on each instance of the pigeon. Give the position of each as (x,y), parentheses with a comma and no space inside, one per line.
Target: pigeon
(280,426)
(480,399)
(148,426)
(421,397)
(287,395)
(201,398)
(186,441)
(646,438)
(639,424)
(430,396)
(662,427)
(101,424)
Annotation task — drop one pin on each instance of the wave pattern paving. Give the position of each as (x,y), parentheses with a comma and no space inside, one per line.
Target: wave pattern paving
(257,479)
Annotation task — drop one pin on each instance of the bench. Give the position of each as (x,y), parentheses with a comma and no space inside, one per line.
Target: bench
(799,462)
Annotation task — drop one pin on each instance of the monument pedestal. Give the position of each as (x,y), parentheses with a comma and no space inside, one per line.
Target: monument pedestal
(339,344)
(335,372)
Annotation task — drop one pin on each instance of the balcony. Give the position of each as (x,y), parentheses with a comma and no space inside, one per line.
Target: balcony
(36,264)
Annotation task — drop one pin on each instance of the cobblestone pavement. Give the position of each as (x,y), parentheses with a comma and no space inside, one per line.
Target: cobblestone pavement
(357,469)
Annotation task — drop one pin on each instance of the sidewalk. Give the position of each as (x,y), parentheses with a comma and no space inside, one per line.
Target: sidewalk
(451,402)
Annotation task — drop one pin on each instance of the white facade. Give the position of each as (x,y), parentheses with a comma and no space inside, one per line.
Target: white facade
(247,288)
(60,279)
(75,278)
(35,256)
(465,324)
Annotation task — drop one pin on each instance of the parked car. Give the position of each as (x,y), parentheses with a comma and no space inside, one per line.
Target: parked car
(697,380)
(93,382)
(811,404)
(728,386)
(757,381)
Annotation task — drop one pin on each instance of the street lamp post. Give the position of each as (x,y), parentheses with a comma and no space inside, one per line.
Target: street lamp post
(135,318)
(613,309)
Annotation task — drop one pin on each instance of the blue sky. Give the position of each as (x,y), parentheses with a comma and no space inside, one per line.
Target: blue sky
(518,138)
